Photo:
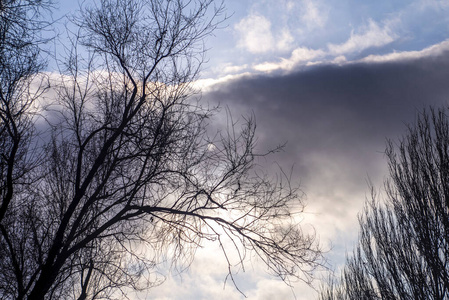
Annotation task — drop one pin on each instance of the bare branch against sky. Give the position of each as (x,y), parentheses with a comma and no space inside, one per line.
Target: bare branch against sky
(124,174)
(403,249)
(328,79)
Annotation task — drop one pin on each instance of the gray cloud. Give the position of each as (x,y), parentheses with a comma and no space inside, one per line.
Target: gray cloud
(335,120)
(340,110)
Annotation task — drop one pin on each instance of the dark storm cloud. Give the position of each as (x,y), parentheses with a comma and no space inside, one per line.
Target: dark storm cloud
(342,112)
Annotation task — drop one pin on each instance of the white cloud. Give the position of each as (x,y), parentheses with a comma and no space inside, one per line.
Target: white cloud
(285,40)
(207,84)
(372,36)
(307,14)
(433,50)
(435,4)
(289,6)
(274,25)
(279,28)
(270,289)
(307,57)
(306,54)
(339,60)
(269,66)
(299,55)
(229,68)
(314,15)
(255,34)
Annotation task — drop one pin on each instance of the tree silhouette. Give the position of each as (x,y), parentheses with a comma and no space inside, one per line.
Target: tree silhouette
(124,172)
(403,248)
(21,25)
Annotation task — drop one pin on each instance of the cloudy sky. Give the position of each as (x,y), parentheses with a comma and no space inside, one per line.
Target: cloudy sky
(333,79)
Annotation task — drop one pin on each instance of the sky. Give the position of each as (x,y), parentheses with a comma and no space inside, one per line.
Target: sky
(333,79)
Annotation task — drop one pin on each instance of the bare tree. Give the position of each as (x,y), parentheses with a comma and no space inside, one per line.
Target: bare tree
(403,250)
(21,25)
(130,174)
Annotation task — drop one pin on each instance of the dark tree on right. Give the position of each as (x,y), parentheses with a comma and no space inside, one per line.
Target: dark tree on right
(403,247)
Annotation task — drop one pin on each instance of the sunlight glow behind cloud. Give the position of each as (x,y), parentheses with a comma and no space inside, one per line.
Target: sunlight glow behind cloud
(299,55)
(333,78)
(335,119)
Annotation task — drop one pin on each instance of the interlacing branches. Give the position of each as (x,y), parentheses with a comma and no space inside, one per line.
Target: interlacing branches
(128,175)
